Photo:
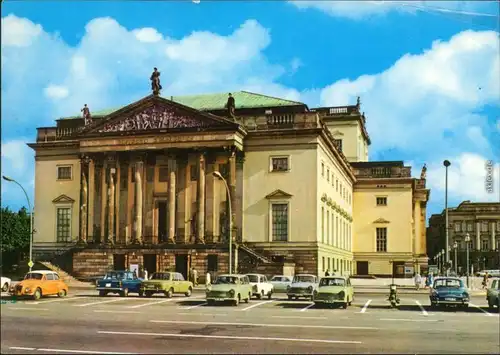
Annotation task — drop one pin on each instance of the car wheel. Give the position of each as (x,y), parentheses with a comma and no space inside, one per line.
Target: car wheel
(259,296)
(248,298)
(102,293)
(189,292)
(211,303)
(62,293)
(124,293)
(491,305)
(5,287)
(38,294)
(270,295)
(169,293)
(290,298)
(148,293)
(141,293)
(344,305)
(236,302)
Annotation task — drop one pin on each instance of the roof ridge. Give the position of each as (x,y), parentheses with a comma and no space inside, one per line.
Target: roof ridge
(272,97)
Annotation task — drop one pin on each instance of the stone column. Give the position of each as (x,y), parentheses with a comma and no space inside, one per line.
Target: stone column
(138,202)
(82,238)
(91,197)
(104,189)
(118,237)
(478,235)
(171,208)
(493,239)
(130,204)
(201,201)
(111,206)
(232,189)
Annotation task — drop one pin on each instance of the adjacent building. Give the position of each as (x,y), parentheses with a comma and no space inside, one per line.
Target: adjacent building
(480,221)
(158,182)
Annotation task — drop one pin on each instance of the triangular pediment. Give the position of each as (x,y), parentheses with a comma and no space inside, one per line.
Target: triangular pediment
(381,220)
(63,199)
(156,113)
(337,133)
(277,194)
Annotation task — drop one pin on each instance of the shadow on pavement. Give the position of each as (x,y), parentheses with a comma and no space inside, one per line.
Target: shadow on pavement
(188,303)
(294,305)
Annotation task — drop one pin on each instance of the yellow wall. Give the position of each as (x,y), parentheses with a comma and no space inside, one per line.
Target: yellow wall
(48,188)
(299,182)
(398,212)
(354,146)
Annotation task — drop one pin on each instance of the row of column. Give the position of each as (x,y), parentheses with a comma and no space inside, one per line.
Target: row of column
(478,235)
(108,198)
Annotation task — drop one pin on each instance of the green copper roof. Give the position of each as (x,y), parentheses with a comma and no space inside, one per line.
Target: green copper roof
(207,102)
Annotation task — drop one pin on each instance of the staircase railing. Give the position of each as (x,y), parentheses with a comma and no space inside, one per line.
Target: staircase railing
(254,253)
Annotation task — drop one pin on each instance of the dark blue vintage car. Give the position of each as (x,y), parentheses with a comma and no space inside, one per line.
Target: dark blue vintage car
(449,291)
(121,282)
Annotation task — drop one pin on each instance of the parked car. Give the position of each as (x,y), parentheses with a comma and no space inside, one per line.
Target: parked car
(120,282)
(167,283)
(229,287)
(492,294)
(449,291)
(5,283)
(334,290)
(281,283)
(303,285)
(260,286)
(37,284)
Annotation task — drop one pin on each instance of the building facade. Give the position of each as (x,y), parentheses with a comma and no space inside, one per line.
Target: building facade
(480,221)
(142,185)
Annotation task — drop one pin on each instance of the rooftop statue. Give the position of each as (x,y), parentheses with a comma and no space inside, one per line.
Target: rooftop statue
(155,82)
(423,174)
(230,105)
(86,115)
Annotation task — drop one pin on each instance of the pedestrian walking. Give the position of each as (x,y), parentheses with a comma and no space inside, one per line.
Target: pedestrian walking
(195,277)
(146,274)
(418,280)
(485,279)
(335,273)
(327,273)
(208,279)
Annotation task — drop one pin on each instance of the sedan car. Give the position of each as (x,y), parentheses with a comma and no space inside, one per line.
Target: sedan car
(167,283)
(449,291)
(229,287)
(492,294)
(260,286)
(37,284)
(5,283)
(334,290)
(281,283)
(303,285)
(120,282)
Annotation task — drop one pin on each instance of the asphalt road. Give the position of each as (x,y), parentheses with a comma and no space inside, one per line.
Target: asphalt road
(85,323)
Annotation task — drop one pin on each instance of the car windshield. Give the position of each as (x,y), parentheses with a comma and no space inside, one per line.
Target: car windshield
(332,282)
(454,283)
(160,276)
(33,276)
(253,278)
(303,278)
(280,279)
(226,280)
(115,275)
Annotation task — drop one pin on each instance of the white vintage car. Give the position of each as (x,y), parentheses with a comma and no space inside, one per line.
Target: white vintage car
(5,283)
(303,285)
(281,283)
(260,286)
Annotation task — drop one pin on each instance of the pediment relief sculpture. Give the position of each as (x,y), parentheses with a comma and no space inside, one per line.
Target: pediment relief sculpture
(381,220)
(276,194)
(63,199)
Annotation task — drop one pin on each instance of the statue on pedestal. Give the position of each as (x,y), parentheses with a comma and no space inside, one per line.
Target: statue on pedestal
(86,115)
(155,82)
(423,174)
(230,105)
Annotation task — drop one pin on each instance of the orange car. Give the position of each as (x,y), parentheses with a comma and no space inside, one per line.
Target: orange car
(40,283)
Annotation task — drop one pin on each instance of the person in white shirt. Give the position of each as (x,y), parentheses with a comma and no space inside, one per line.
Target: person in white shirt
(208,280)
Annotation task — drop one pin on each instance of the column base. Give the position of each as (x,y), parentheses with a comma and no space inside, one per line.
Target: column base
(108,242)
(171,240)
(81,243)
(136,242)
(200,241)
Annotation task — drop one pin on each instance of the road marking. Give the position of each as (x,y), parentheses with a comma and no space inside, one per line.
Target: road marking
(30,309)
(298,317)
(410,320)
(106,311)
(57,300)
(21,348)
(306,307)
(231,337)
(424,312)
(202,314)
(151,303)
(255,305)
(262,325)
(365,307)
(196,306)
(100,302)
(80,351)
(482,310)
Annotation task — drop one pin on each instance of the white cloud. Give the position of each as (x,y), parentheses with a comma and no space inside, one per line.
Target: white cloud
(466,179)
(295,64)
(18,32)
(357,10)
(148,34)
(427,103)
(56,92)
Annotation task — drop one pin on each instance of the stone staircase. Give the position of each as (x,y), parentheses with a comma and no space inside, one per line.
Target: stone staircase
(67,278)
(253,253)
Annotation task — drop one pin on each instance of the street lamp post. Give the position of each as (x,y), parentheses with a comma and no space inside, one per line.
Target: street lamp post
(220,177)
(455,247)
(443,252)
(467,240)
(6,178)
(446,163)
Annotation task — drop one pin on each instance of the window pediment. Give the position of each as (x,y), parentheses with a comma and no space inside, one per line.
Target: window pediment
(381,221)
(278,194)
(63,199)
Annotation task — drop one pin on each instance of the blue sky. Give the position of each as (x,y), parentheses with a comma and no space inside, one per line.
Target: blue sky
(427,72)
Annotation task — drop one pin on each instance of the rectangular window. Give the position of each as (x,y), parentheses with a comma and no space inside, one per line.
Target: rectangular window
(338,144)
(337,185)
(63,224)
(381,201)
(322,169)
(484,226)
(323,263)
(485,244)
(382,239)
(458,226)
(163,173)
(280,221)
(212,262)
(337,231)
(328,175)
(322,224)
(327,227)
(470,227)
(279,164)
(329,267)
(64,173)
